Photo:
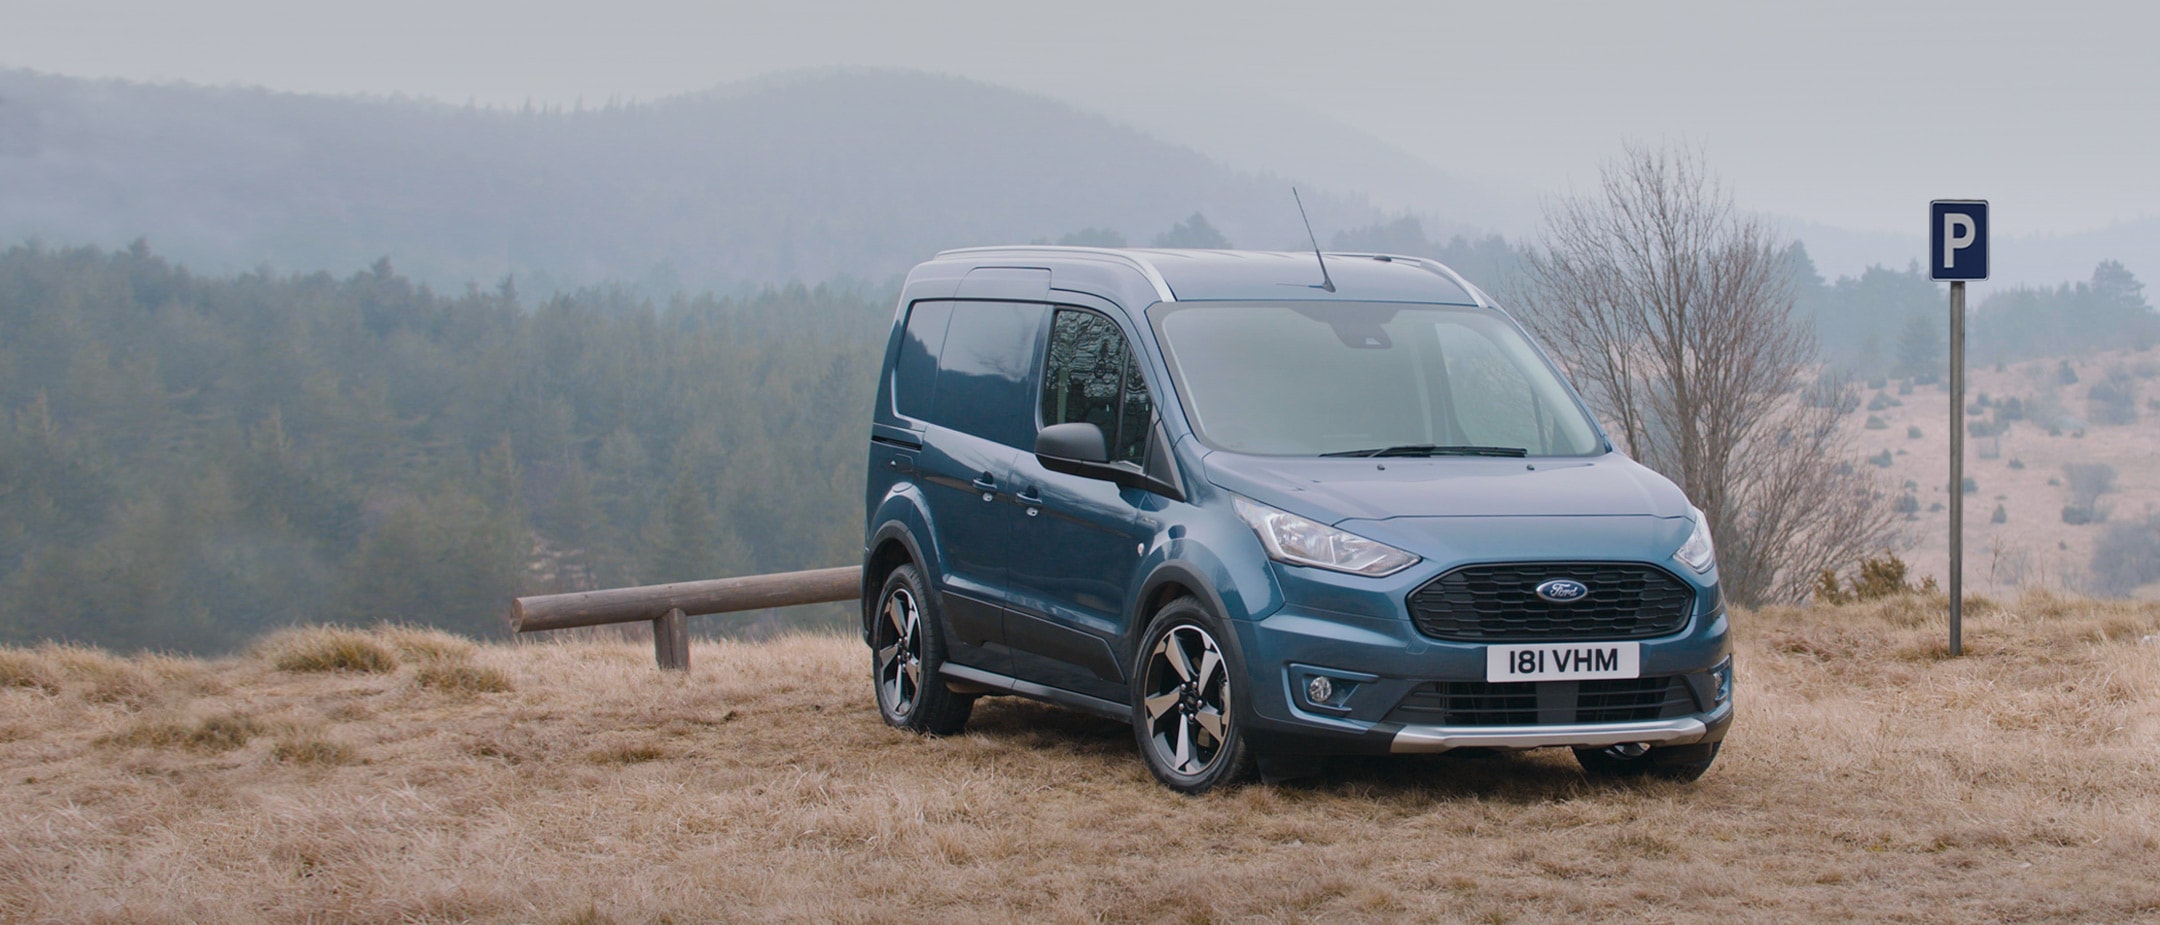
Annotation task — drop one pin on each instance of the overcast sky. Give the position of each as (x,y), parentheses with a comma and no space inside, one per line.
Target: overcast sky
(1848,114)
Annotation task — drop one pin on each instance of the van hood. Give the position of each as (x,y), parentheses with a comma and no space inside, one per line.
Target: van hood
(1335,490)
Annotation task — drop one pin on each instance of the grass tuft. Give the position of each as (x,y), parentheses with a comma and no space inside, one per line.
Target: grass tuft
(26,669)
(425,645)
(107,678)
(328,648)
(313,750)
(462,678)
(629,753)
(221,733)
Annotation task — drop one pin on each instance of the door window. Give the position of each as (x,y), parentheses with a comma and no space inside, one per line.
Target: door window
(1090,376)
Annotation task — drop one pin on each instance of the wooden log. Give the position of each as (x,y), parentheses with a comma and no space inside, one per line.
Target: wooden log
(671,641)
(693,598)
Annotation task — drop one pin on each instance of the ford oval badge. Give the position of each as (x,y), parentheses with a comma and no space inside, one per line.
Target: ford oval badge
(1563,590)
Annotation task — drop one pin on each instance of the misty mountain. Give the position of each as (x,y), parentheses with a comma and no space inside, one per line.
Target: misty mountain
(810,176)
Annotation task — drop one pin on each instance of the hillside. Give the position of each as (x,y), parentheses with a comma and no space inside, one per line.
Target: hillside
(2025,468)
(1868,779)
(808,176)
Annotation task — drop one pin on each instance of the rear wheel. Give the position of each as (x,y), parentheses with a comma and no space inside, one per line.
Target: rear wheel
(1185,703)
(906,652)
(1681,763)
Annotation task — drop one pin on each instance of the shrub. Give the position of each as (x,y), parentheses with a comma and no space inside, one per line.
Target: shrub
(2087,482)
(1970,486)
(1876,423)
(1881,459)
(1876,578)
(2001,515)
(2127,555)
(1879,402)
(2016,463)
(2065,375)
(2113,400)
(1907,503)
(328,648)
(1912,432)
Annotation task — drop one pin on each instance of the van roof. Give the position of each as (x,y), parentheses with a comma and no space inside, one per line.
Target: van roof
(1203,275)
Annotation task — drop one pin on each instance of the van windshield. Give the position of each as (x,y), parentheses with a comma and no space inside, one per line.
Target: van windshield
(1367,379)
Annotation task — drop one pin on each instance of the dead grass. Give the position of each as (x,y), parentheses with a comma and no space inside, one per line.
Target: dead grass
(330,648)
(313,750)
(462,677)
(1870,778)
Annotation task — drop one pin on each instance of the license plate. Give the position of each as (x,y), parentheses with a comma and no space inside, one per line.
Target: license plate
(1563,661)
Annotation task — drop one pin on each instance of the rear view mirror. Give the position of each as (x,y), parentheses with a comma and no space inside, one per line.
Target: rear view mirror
(1078,441)
(1079,448)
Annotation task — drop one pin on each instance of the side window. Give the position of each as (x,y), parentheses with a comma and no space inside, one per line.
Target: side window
(986,370)
(1090,376)
(915,372)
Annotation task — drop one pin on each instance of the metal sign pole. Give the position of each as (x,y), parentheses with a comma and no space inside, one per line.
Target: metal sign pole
(1957,466)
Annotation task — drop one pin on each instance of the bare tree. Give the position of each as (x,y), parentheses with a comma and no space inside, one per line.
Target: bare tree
(1674,314)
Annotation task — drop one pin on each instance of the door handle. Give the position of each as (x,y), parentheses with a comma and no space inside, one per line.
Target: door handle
(1029,499)
(986,484)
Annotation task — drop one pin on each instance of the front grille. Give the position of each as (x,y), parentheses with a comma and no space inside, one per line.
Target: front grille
(1499,603)
(1622,700)
(1485,703)
(1468,703)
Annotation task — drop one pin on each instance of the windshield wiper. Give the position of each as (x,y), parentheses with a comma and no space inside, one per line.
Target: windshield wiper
(1431,450)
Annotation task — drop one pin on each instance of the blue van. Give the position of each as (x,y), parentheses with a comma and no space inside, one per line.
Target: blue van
(1261,512)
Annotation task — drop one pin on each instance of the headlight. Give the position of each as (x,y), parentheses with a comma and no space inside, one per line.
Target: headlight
(1697,553)
(1298,541)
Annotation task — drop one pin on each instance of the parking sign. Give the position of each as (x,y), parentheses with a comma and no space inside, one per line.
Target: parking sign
(1958,239)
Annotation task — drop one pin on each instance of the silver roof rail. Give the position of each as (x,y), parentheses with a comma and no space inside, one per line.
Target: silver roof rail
(1136,261)
(1441,270)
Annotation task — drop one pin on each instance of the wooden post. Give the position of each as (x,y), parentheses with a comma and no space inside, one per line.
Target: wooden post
(671,641)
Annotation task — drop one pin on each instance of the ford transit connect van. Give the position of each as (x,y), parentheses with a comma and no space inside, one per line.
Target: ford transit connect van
(1254,512)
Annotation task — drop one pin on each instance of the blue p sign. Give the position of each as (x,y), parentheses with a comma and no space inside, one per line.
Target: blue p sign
(1957,239)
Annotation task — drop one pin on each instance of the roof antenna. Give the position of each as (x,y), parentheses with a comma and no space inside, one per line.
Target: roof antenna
(1325,282)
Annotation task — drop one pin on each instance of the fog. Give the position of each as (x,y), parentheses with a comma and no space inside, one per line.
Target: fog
(1844,115)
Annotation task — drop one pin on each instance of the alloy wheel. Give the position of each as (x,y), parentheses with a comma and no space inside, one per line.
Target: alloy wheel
(1187,700)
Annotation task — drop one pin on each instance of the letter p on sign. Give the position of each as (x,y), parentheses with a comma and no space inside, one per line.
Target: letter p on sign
(1958,240)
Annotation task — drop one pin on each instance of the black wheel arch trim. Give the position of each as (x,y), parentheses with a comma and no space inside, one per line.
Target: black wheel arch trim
(872,583)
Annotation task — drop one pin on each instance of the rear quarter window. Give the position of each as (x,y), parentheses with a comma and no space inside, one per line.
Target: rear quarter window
(915,372)
(985,372)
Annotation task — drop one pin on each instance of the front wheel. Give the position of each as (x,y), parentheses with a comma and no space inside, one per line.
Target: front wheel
(906,652)
(1679,763)
(1185,703)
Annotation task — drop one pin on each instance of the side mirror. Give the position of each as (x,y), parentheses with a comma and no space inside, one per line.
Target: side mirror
(1079,448)
(1078,441)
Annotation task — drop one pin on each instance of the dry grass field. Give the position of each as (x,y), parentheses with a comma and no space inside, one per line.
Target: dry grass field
(403,776)
(2033,547)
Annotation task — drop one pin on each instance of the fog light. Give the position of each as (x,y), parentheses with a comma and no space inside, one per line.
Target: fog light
(1319,689)
(1722,676)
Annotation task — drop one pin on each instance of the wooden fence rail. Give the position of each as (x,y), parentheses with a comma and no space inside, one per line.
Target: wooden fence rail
(668,607)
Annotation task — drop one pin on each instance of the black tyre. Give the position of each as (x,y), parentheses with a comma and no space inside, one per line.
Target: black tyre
(1185,703)
(906,651)
(1681,763)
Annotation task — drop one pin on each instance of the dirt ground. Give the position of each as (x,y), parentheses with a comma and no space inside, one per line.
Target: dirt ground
(428,779)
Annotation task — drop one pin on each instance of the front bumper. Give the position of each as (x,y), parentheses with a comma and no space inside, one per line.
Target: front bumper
(1380,661)
(1682,731)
